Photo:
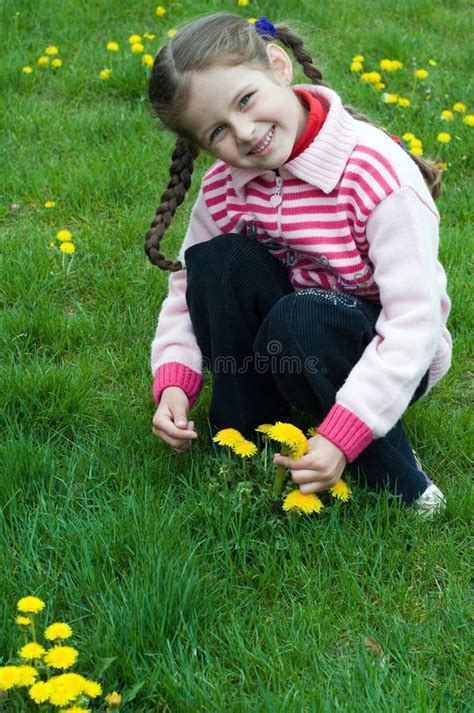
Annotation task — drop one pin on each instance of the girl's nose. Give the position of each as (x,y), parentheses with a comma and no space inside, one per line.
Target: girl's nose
(244,131)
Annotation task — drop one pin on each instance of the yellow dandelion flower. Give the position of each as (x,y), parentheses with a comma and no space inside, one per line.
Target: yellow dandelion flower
(51,50)
(416,150)
(356,66)
(421,73)
(415,143)
(113,699)
(61,694)
(26,675)
(291,436)
(65,688)
(160,11)
(468,120)
(137,47)
(27,70)
(49,204)
(311,432)
(370,77)
(92,688)
(341,491)
(264,428)
(64,235)
(242,3)
(32,650)
(233,439)
(390,65)
(9,677)
(447,115)
(390,98)
(30,605)
(105,74)
(147,60)
(23,620)
(61,656)
(133,39)
(43,61)
(443,137)
(408,136)
(58,630)
(432,62)
(379,86)
(296,500)
(358,58)
(113,46)
(443,166)
(252,20)
(228,437)
(171,33)
(403,102)
(396,64)
(39,692)
(460,107)
(244,448)
(148,36)
(56,63)
(76,709)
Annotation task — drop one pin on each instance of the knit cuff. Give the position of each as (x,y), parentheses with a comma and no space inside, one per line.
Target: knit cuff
(175,374)
(346,431)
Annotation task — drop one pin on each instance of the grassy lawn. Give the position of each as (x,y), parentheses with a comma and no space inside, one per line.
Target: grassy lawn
(186,588)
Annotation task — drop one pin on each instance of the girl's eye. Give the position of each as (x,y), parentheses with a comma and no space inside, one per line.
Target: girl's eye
(215,132)
(245,100)
(218,130)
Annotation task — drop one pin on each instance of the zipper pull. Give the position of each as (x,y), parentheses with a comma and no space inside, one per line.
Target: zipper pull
(276,198)
(252,229)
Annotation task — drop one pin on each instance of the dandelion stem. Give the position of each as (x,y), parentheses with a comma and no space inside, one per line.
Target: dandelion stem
(279,480)
(280,472)
(33,630)
(70,265)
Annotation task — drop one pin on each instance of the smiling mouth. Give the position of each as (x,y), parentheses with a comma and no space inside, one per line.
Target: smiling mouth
(263,144)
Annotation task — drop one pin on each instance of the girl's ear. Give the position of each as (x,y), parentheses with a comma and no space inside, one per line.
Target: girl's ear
(280,63)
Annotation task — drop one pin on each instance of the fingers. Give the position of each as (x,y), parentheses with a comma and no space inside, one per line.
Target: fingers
(302,463)
(311,475)
(179,437)
(315,487)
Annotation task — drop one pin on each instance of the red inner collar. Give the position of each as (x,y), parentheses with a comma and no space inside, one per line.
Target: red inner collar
(316,118)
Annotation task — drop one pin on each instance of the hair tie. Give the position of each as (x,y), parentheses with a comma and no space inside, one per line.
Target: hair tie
(265,27)
(398,140)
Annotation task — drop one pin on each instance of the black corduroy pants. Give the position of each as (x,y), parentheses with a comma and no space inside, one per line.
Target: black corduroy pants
(268,346)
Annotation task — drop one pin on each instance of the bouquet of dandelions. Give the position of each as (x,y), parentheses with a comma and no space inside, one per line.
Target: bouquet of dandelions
(37,673)
(293,443)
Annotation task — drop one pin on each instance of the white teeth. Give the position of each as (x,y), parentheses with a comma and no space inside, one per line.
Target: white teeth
(265,144)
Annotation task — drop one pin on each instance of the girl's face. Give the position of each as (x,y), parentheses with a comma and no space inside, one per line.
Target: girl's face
(246,116)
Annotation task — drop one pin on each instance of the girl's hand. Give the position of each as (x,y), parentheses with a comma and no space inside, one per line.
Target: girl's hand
(319,469)
(170,422)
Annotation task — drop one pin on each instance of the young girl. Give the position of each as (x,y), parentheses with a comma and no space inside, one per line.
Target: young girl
(308,274)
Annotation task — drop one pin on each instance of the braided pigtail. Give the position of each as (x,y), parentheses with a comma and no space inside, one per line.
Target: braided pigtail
(294,42)
(180,171)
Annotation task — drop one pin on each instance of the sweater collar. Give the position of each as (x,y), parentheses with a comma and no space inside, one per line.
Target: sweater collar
(321,164)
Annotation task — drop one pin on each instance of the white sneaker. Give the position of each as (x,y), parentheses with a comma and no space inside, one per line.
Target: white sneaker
(430,502)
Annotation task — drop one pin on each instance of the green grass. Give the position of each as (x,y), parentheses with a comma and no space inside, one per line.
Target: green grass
(186,589)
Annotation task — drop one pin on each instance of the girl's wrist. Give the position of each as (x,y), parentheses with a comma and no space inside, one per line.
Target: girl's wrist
(346,431)
(175,374)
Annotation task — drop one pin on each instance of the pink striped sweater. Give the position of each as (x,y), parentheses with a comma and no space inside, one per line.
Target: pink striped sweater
(350,213)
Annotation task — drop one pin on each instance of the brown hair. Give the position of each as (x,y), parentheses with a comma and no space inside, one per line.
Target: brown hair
(223,39)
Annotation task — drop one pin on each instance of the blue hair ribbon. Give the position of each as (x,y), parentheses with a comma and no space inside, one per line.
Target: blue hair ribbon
(265,27)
